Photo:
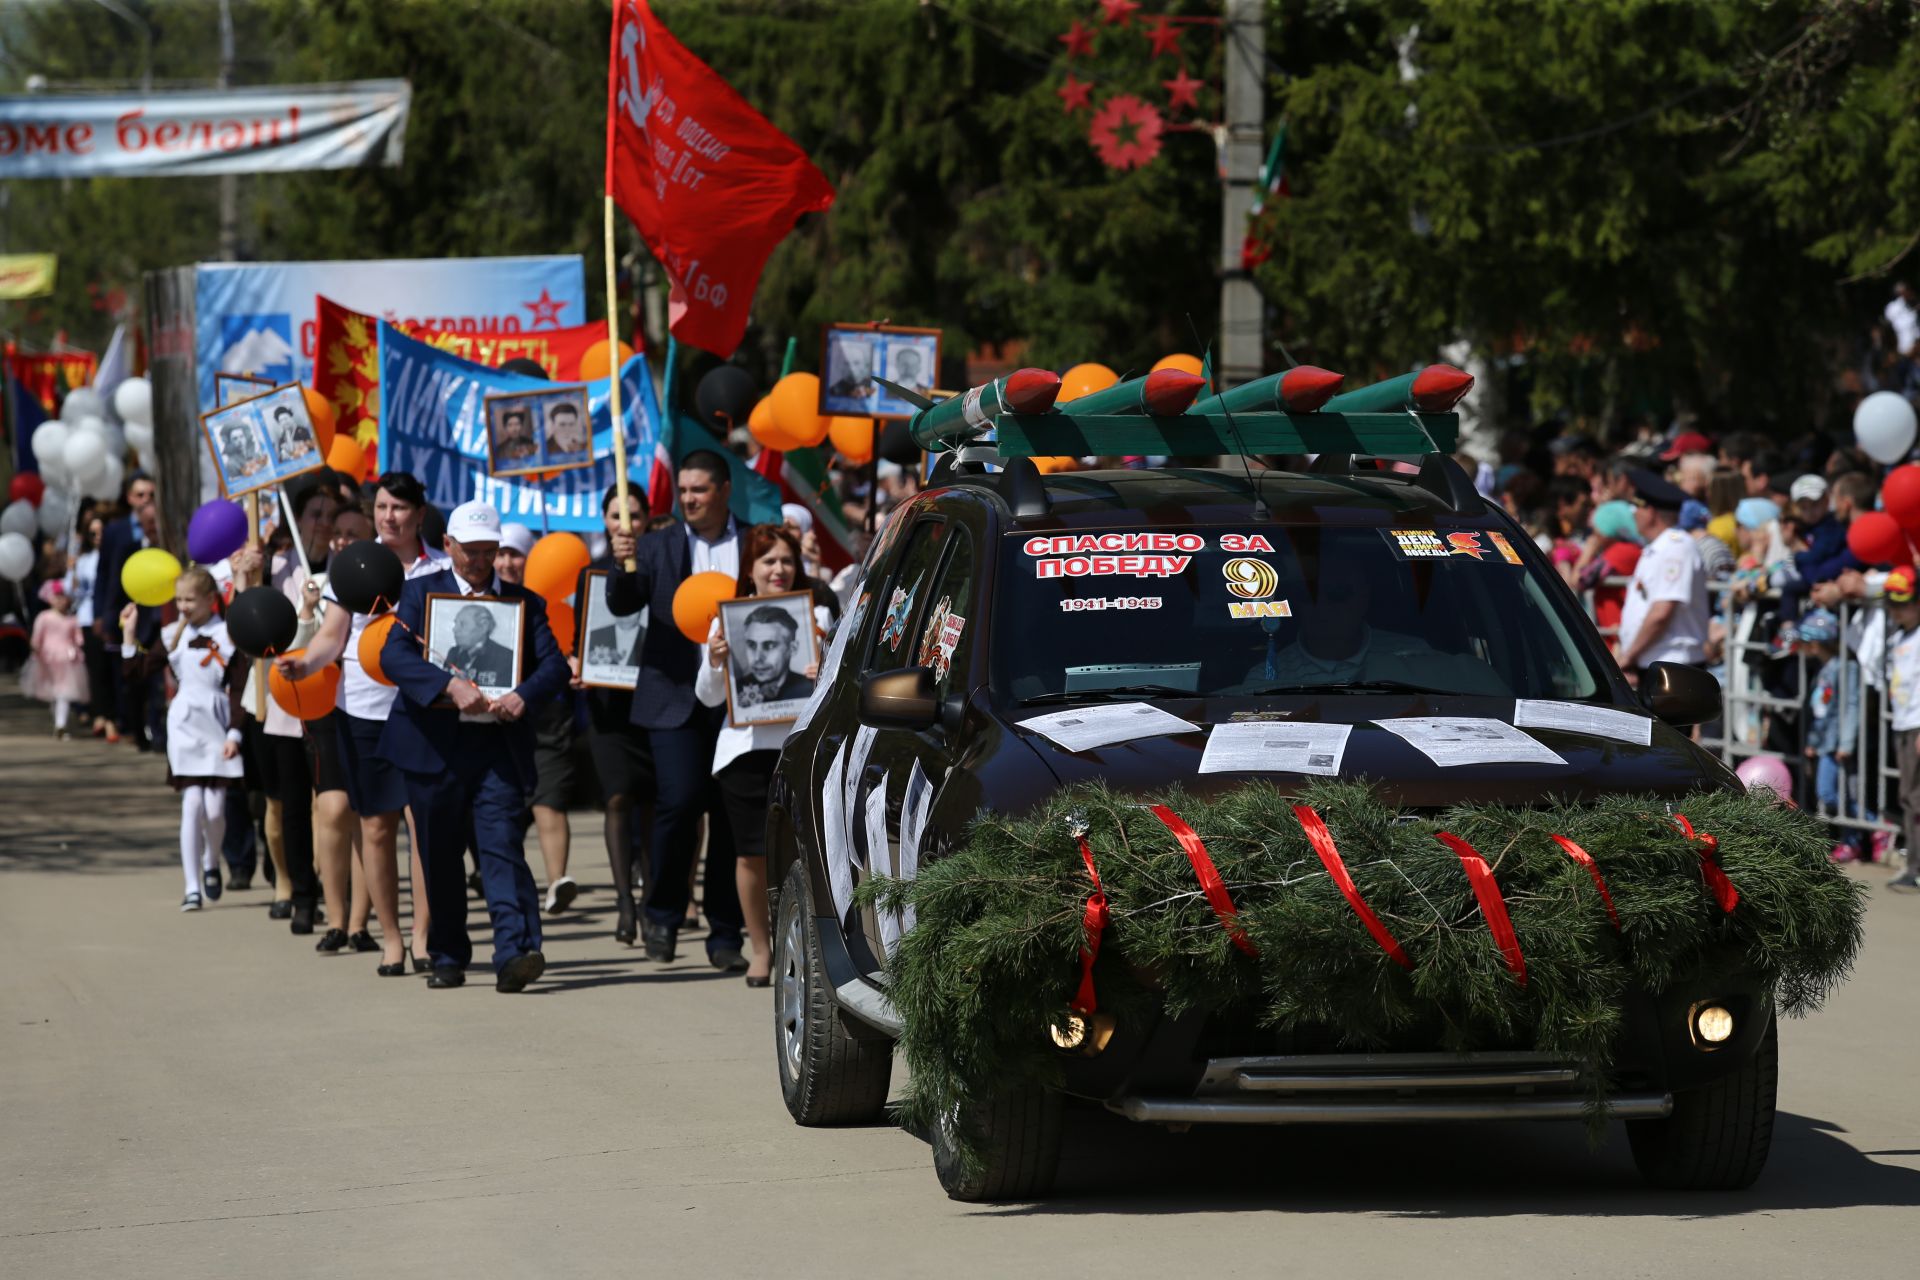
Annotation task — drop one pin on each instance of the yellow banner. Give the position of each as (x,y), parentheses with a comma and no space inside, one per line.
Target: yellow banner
(26,275)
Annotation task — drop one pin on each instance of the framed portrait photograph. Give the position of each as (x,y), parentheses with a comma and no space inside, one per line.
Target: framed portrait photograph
(229,388)
(770,644)
(534,431)
(853,354)
(477,638)
(609,645)
(261,441)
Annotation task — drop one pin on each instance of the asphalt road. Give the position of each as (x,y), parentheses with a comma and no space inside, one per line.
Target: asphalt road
(202,1095)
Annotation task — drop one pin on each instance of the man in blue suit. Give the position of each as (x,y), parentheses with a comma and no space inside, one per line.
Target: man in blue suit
(681,731)
(468,760)
(119,539)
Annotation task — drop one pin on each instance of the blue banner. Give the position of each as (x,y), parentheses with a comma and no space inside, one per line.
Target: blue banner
(259,318)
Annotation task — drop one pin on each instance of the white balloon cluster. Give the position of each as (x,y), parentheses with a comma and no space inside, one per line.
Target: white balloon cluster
(83,452)
(16,556)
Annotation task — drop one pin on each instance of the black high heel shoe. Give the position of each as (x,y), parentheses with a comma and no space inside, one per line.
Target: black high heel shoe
(398,969)
(624,930)
(281,910)
(363,941)
(331,941)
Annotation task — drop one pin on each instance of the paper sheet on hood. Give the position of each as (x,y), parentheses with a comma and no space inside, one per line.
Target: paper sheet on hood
(1104,724)
(1458,740)
(1273,746)
(1578,717)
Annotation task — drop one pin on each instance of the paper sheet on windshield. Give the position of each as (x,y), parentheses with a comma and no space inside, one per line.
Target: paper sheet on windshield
(1102,725)
(1578,717)
(1276,747)
(1457,740)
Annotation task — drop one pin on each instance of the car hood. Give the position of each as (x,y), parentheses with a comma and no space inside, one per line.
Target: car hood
(1669,765)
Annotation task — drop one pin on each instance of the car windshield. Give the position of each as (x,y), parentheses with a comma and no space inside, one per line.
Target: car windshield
(1449,608)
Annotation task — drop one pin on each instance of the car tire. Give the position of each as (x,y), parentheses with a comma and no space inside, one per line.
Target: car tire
(1017,1136)
(1717,1137)
(826,1075)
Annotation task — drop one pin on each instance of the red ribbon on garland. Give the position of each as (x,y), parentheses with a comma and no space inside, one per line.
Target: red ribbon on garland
(1723,891)
(1322,841)
(1585,859)
(1095,921)
(1492,906)
(1210,882)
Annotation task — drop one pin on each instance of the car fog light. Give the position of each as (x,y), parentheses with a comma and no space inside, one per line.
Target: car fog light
(1087,1033)
(1714,1023)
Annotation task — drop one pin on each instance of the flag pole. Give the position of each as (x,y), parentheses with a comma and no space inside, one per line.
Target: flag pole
(613,400)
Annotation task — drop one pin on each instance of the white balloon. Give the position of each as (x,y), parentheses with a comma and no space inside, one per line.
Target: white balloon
(49,442)
(54,471)
(19,517)
(16,556)
(133,401)
(107,483)
(139,435)
(82,403)
(1884,426)
(84,452)
(56,513)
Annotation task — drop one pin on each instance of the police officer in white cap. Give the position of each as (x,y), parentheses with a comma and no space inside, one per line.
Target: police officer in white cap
(468,759)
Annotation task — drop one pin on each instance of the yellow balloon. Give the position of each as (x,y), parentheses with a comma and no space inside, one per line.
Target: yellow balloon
(1085,379)
(149,575)
(1184,363)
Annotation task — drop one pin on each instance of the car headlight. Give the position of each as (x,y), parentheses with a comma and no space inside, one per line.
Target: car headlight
(1712,1024)
(1082,1033)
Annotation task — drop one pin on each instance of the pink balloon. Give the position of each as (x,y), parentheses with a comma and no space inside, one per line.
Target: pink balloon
(1768,773)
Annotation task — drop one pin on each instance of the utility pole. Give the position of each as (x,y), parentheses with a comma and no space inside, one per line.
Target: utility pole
(229,183)
(1243,337)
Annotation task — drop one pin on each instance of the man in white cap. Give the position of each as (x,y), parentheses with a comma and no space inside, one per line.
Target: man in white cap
(468,759)
(552,747)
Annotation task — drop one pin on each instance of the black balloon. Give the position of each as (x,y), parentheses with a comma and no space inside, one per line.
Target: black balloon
(261,622)
(896,444)
(526,368)
(366,577)
(725,397)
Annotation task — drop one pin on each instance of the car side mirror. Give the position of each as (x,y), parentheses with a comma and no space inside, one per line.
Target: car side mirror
(900,700)
(1680,695)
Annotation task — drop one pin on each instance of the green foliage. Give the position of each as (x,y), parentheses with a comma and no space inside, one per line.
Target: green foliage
(992,957)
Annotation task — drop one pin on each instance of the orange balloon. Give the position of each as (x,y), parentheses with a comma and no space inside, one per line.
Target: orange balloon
(1085,379)
(1047,466)
(372,640)
(307,699)
(560,617)
(1184,363)
(796,409)
(853,437)
(593,361)
(553,566)
(320,409)
(697,603)
(762,416)
(347,455)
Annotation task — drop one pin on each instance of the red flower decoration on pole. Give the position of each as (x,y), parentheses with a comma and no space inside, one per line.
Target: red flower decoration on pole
(1182,91)
(1073,94)
(1159,29)
(1079,41)
(1126,132)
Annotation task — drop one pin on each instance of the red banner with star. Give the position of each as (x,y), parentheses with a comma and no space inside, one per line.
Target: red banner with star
(346,362)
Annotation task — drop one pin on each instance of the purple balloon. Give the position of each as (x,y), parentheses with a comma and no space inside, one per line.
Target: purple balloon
(216,531)
(1766,773)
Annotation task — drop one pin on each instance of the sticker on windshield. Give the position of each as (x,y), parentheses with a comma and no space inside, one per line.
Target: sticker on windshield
(1250,579)
(894,629)
(941,638)
(1427,544)
(1095,604)
(1101,555)
(1259,609)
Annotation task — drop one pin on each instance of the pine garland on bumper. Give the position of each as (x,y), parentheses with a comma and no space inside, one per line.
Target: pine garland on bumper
(994,954)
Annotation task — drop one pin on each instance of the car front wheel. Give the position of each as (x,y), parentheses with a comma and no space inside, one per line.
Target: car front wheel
(1717,1137)
(1016,1139)
(826,1075)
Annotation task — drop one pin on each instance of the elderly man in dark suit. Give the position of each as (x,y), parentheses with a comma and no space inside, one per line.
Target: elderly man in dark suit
(681,731)
(119,539)
(468,761)
(475,653)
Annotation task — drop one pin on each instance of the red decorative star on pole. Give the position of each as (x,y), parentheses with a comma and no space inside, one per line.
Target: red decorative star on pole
(1079,41)
(1073,94)
(1126,132)
(1182,91)
(1160,31)
(1117,13)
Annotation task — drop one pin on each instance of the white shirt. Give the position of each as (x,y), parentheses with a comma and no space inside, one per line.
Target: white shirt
(1669,569)
(1906,324)
(1903,679)
(710,686)
(722,555)
(80,586)
(360,694)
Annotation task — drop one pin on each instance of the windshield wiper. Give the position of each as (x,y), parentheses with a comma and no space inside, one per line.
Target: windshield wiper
(1108,692)
(1350,686)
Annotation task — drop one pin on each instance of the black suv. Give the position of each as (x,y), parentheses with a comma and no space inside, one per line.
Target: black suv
(1001,597)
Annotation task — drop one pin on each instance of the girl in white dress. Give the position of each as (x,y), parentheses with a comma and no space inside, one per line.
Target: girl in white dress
(203,723)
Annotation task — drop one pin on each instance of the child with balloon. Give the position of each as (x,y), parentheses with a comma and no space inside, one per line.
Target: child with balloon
(203,722)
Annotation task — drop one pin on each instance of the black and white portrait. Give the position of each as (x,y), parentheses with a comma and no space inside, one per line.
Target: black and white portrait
(513,442)
(478,639)
(771,647)
(535,431)
(609,645)
(857,353)
(568,429)
(263,440)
